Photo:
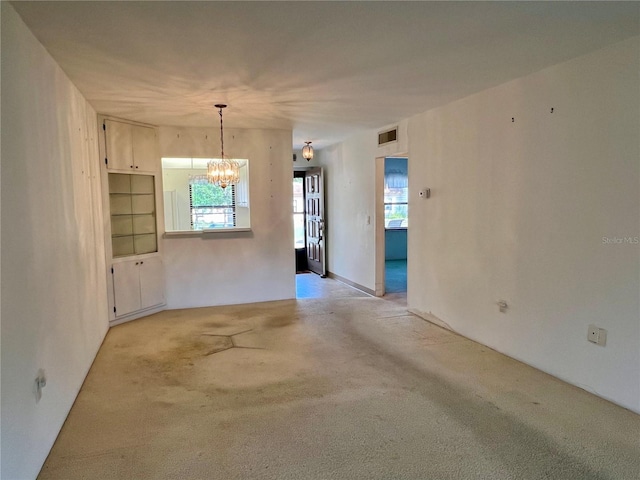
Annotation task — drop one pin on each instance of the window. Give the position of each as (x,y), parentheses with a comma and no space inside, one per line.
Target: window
(395,199)
(298,210)
(191,203)
(212,206)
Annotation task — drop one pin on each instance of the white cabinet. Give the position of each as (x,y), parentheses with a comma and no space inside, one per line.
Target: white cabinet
(145,146)
(137,285)
(126,287)
(131,147)
(151,282)
(130,165)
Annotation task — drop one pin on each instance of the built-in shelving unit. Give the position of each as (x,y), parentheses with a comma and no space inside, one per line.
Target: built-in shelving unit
(131,180)
(132,204)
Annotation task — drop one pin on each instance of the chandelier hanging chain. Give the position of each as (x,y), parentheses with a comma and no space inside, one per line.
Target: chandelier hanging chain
(220,107)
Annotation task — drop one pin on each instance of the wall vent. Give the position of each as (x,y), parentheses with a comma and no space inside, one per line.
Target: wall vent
(388,136)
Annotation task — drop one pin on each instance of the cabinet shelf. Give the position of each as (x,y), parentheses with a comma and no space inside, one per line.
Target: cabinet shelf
(132,235)
(132,214)
(133,232)
(129,194)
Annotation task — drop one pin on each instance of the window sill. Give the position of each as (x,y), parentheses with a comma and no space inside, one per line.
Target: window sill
(395,228)
(204,233)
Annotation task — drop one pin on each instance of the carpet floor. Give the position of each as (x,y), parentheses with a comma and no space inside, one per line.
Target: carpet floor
(349,387)
(395,276)
(312,285)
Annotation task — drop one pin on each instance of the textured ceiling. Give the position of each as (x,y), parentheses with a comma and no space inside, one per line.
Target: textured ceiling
(323,69)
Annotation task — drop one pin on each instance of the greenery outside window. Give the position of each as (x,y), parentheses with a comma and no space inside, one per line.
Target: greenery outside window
(212,206)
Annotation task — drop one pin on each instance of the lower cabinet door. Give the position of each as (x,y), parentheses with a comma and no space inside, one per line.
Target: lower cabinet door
(126,287)
(151,282)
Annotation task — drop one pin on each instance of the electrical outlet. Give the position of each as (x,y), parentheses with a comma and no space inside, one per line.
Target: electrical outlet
(40,383)
(597,335)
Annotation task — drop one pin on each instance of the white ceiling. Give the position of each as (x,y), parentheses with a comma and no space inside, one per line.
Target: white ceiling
(324,69)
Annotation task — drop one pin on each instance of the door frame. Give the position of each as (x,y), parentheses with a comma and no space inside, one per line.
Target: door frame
(380,231)
(301,172)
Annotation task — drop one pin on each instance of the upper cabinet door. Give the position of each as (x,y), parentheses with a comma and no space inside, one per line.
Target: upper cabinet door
(118,142)
(131,147)
(146,152)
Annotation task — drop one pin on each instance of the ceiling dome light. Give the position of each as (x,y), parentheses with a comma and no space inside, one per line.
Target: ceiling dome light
(307,151)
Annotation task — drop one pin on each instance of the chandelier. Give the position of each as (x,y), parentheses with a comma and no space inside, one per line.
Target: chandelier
(307,151)
(223,171)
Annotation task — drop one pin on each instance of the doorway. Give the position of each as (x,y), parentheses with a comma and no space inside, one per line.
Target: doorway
(308,221)
(392,215)
(309,237)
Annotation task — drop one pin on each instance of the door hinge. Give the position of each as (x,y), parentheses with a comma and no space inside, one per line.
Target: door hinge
(106,162)
(114,309)
(111,270)
(104,127)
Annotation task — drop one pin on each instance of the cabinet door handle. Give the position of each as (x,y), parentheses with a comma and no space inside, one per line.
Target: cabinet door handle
(136,263)
(141,263)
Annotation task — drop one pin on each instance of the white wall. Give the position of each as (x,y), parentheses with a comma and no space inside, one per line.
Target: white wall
(54,304)
(519,211)
(350,209)
(234,268)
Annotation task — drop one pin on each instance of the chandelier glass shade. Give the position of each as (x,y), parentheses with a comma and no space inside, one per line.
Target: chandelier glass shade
(307,151)
(223,171)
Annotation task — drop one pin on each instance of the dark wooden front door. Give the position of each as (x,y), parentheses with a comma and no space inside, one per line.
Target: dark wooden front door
(314,218)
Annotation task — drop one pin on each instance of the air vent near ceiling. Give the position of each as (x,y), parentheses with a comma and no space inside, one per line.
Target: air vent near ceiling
(388,136)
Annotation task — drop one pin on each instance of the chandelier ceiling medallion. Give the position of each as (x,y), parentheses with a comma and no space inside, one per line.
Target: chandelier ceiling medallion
(223,171)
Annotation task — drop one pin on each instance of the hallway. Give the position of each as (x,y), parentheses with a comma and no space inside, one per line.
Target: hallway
(347,386)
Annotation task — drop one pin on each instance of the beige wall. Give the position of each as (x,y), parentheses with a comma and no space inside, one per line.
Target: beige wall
(519,211)
(233,268)
(54,295)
